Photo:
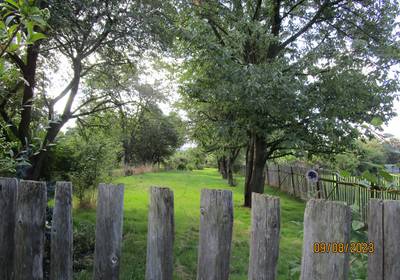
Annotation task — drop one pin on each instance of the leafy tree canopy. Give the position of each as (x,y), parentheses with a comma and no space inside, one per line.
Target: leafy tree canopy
(296,75)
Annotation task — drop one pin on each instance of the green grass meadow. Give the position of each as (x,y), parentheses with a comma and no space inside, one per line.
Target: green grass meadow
(187,187)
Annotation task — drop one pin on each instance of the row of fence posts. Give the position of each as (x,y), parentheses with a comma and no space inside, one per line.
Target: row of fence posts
(22,223)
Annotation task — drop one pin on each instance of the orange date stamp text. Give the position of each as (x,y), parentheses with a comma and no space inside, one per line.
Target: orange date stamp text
(340,247)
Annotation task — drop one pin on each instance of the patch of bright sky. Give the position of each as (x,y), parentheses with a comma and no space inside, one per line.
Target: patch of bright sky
(150,74)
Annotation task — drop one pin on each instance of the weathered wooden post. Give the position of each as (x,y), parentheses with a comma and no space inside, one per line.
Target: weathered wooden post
(8,196)
(61,233)
(383,232)
(29,230)
(264,246)
(216,222)
(160,235)
(326,223)
(292,180)
(109,220)
(279,176)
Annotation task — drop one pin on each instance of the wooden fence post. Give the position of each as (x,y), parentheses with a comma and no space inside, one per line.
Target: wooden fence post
(292,180)
(318,187)
(62,233)
(325,222)
(29,230)
(160,235)
(216,222)
(109,220)
(8,196)
(265,228)
(279,176)
(383,231)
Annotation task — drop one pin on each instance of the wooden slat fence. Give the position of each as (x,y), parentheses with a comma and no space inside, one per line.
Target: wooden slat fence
(292,180)
(325,222)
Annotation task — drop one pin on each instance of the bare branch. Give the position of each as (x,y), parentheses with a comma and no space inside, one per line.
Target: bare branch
(291,9)
(308,25)
(90,100)
(99,108)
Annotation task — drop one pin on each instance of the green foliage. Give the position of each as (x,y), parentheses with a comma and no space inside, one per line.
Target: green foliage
(366,160)
(253,69)
(85,159)
(101,40)
(7,161)
(189,159)
(19,25)
(153,137)
(187,188)
(392,146)
(94,160)
(84,243)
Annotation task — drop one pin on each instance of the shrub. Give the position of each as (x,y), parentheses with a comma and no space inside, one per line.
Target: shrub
(85,161)
(84,243)
(190,159)
(134,170)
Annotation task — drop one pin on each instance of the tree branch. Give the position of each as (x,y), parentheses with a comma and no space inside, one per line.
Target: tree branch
(63,93)
(17,60)
(257,10)
(216,33)
(98,108)
(291,9)
(276,23)
(302,30)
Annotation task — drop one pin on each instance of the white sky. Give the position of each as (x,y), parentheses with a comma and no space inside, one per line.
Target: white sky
(393,126)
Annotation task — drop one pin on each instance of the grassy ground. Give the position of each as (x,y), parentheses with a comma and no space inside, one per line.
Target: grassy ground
(187,187)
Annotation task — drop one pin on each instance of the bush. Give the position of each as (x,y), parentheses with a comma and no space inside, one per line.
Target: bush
(85,161)
(135,170)
(7,162)
(84,243)
(189,159)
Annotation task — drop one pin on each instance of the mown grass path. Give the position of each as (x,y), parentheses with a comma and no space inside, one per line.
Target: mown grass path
(187,187)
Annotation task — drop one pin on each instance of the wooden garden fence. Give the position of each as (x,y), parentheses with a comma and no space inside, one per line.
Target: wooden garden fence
(292,180)
(326,244)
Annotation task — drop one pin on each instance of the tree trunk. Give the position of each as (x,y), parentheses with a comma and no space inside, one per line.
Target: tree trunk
(233,154)
(229,172)
(222,165)
(256,158)
(29,73)
(248,171)
(34,172)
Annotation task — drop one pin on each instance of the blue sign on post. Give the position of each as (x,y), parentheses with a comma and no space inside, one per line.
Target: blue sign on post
(312,176)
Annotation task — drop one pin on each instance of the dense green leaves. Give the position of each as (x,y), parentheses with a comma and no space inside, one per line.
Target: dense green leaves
(21,23)
(154,137)
(309,74)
